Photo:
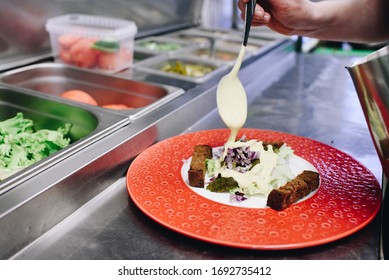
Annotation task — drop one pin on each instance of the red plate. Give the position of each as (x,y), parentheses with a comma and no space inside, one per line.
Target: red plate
(348,198)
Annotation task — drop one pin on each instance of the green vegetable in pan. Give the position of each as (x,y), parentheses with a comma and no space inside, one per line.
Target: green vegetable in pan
(187,69)
(160,46)
(21,145)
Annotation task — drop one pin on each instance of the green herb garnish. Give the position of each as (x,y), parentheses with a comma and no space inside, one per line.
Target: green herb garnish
(222,184)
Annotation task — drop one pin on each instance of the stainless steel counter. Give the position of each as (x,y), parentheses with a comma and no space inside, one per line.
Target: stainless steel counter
(304,94)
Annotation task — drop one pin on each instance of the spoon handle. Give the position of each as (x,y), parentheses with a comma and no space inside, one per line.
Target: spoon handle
(250,7)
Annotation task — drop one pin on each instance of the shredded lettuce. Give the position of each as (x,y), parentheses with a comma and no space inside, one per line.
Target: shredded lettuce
(21,145)
(212,166)
(256,168)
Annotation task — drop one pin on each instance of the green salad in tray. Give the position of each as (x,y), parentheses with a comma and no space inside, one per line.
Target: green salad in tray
(21,145)
(160,46)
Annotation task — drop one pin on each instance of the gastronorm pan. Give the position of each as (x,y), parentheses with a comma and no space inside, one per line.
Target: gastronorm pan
(254,46)
(40,196)
(139,57)
(261,32)
(160,66)
(162,45)
(55,78)
(86,126)
(223,55)
(220,33)
(223,39)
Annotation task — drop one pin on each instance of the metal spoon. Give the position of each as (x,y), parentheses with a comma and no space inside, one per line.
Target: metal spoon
(250,8)
(230,94)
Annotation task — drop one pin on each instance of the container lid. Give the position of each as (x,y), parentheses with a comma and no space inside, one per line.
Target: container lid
(91,26)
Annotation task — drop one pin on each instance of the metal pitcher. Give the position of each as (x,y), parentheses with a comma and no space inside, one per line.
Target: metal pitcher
(371,80)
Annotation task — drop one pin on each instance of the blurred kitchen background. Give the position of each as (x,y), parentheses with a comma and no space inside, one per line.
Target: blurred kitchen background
(23,38)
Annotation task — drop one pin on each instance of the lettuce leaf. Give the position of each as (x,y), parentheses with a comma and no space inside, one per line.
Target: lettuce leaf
(21,145)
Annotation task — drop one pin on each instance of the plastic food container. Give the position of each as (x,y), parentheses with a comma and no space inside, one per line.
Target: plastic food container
(92,42)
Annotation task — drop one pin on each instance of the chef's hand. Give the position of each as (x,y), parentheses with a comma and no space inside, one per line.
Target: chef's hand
(288,17)
(347,20)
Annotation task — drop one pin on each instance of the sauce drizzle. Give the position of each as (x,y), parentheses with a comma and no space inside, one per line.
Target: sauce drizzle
(232,101)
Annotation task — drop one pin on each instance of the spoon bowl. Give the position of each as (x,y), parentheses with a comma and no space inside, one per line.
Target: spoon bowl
(231,100)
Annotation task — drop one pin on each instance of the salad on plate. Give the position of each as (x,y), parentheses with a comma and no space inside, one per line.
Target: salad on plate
(252,168)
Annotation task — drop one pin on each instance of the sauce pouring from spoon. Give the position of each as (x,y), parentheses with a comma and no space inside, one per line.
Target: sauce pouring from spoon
(231,96)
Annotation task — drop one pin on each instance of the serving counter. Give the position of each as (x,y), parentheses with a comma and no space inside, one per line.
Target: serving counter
(309,95)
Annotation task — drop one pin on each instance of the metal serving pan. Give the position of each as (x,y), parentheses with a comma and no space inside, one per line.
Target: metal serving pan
(157,65)
(259,32)
(139,57)
(203,37)
(220,33)
(222,39)
(87,126)
(254,46)
(162,45)
(38,197)
(222,55)
(55,78)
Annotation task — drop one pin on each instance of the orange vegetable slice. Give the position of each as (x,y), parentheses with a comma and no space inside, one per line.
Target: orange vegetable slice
(80,96)
(117,106)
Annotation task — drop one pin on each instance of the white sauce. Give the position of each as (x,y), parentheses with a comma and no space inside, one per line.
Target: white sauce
(232,100)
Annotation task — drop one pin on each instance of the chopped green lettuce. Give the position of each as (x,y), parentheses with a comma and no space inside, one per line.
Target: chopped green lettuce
(21,145)
(212,166)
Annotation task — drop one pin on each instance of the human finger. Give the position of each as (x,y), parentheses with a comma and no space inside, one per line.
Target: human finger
(242,5)
(260,17)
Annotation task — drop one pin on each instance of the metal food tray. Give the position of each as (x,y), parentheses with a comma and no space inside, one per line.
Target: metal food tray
(153,66)
(253,47)
(185,45)
(201,37)
(140,57)
(87,126)
(38,197)
(223,55)
(219,33)
(258,32)
(55,78)
(223,39)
